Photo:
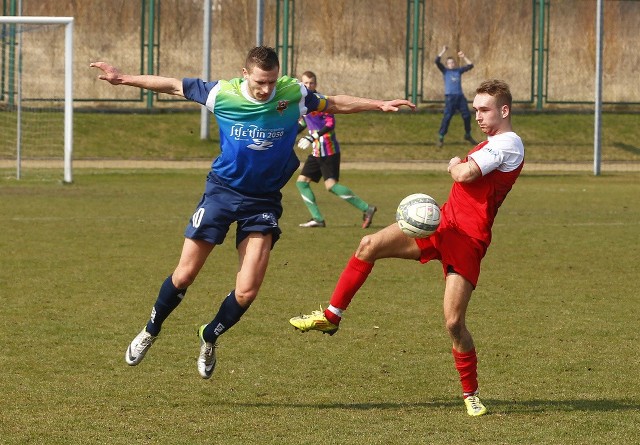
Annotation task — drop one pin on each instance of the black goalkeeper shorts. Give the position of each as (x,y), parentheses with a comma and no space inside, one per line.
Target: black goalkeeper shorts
(327,167)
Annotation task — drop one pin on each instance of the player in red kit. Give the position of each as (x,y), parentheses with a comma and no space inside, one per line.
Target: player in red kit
(481,182)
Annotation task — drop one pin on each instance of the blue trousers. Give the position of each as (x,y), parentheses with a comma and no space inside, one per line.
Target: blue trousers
(452,104)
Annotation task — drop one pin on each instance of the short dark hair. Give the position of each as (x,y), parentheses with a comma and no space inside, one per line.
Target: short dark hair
(264,57)
(498,89)
(310,75)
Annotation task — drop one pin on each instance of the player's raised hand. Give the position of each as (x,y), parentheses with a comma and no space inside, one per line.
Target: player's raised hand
(109,73)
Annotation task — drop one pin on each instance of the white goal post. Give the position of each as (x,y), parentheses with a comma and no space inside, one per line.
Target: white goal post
(68,86)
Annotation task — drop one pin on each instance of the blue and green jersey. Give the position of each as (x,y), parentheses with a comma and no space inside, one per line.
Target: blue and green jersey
(256,138)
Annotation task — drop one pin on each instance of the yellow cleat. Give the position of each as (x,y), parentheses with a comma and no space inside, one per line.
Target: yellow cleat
(314,322)
(475,406)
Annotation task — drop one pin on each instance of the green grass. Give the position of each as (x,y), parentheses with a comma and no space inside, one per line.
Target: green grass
(548,137)
(554,318)
(365,136)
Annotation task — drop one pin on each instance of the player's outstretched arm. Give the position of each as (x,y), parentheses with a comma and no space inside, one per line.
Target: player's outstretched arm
(159,84)
(343,104)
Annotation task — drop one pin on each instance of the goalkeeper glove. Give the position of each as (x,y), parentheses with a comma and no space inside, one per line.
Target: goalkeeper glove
(305,142)
(308,140)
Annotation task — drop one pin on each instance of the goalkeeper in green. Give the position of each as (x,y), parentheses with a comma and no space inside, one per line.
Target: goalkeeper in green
(324,161)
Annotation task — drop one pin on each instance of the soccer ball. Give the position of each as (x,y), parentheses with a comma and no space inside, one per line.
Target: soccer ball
(418,215)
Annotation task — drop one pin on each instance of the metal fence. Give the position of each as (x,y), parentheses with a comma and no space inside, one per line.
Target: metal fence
(544,49)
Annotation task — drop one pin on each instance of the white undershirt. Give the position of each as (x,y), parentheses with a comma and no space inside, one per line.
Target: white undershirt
(504,152)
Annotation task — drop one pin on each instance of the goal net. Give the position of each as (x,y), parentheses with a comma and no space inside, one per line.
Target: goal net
(36,101)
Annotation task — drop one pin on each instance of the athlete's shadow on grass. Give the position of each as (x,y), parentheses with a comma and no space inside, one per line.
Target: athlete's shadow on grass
(495,406)
(628,148)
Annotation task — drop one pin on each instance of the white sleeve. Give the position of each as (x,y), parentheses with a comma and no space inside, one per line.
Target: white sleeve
(211,97)
(503,152)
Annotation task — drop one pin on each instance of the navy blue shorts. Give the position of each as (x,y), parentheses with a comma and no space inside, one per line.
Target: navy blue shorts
(221,206)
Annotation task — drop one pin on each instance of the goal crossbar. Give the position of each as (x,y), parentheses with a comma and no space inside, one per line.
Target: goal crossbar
(68,79)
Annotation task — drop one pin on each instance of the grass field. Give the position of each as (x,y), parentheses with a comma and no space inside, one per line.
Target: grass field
(550,137)
(366,136)
(555,320)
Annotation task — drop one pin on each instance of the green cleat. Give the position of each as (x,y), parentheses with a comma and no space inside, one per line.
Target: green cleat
(314,322)
(474,406)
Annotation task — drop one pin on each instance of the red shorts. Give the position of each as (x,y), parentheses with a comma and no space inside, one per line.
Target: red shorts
(454,249)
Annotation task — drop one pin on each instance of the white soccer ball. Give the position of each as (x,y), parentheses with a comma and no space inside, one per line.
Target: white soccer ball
(418,215)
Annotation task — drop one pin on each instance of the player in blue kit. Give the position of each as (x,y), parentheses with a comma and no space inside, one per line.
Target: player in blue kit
(257,115)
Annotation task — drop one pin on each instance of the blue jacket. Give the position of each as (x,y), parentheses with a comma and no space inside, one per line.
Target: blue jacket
(453,77)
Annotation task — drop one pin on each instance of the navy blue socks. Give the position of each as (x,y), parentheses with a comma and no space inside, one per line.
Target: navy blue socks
(228,315)
(168,299)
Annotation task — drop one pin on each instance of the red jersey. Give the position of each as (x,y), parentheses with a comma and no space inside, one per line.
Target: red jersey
(472,207)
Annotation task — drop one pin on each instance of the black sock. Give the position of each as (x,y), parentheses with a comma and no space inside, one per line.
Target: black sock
(228,315)
(168,299)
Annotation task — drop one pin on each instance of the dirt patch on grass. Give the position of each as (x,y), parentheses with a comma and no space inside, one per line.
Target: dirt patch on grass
(205,164)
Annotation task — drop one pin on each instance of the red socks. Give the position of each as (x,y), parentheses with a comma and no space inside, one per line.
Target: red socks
(352,278)
(467,366)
